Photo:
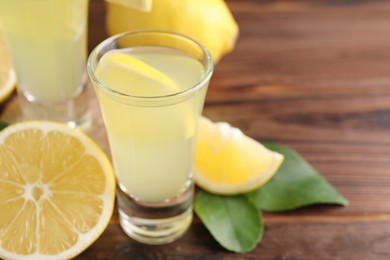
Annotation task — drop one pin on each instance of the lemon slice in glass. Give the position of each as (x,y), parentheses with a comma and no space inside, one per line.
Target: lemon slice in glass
(131,76)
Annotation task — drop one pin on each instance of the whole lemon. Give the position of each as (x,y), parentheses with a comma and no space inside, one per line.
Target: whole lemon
(208,21)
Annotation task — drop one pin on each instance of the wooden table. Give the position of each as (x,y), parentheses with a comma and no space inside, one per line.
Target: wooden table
(315,76)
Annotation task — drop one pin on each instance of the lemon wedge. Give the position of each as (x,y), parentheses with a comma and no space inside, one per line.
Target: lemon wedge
(57,191)
(129,75)
(140,5)
(7,74)
(228,162)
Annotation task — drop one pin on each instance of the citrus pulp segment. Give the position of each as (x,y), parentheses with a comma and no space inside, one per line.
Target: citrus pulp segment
(229,162)
(57,191)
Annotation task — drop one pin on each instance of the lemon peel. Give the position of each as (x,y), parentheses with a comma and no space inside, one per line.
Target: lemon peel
(228,162)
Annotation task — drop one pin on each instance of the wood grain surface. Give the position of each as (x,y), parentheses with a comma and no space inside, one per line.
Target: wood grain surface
(312,75)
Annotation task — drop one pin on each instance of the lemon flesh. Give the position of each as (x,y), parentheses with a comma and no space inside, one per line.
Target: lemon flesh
(229,162)
(7,74)
(129,75)
(57,191)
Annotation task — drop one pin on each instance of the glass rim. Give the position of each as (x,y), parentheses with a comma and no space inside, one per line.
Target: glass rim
(202,82)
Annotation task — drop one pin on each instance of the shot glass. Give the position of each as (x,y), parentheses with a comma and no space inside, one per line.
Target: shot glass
(151,135)
(47,40)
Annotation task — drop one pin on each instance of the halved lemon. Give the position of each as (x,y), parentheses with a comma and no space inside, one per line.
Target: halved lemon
(7,74)
(57,191)
(228,162)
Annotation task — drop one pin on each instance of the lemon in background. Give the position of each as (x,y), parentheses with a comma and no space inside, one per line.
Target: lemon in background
(208,21)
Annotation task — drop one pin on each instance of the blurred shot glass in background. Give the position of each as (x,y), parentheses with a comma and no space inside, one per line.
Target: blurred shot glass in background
(47,40)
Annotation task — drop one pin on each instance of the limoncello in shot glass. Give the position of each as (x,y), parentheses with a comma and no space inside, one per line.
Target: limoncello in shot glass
(151,87)
(48,44)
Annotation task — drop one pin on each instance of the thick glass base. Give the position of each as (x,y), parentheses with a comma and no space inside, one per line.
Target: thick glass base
(74,112)
(155,223)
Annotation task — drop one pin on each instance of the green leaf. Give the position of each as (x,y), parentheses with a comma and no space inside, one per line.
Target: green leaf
(296,184)
(233,221)
(3,125)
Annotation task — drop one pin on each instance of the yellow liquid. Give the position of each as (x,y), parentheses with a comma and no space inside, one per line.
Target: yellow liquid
(47,40)
(152,145)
